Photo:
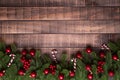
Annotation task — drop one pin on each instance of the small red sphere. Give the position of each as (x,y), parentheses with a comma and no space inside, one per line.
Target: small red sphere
(46,71)
(88,50)
(100,69)
(33,74)
(111,73)
(61,76)
(90,76)
(32,52)
(88,67)
(23,59)
(21,72)
(115,57)
(102,55)
(79,55)
(8,50)
(71,73)
(2,73)
(24,52)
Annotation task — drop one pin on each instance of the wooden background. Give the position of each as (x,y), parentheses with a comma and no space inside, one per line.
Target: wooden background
(62,24)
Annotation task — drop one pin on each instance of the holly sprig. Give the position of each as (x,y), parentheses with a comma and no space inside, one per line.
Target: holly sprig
(31,64)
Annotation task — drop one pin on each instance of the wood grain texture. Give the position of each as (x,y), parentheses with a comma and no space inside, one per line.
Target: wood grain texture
(59,40)
(59,13)
(57,3)
(59,27)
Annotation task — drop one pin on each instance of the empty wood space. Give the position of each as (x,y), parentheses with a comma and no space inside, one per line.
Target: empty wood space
(67,25)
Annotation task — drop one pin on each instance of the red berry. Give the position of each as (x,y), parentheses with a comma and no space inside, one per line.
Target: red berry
(52,72)
(90,76)
(115,57)
(88,50)
(101,63)
(61,76)
(88,67)
(2,73)
(102,55)
(24,52)
(32,52)
(23,59)
(79,55)
(21,72)
(100,69)
(52,67)
(111,73)
(46,71)
(33,74)
(71,73)
(8,50)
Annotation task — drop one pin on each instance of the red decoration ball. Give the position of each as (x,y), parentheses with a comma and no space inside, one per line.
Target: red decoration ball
(100,69)
(115,57)
(111,73)
(46,71)
(88,50)
(24,52)
(21,72)
(71,73)
(32,52)
(61,76)
(2,73)
(90,76)
(79,55)
(8,50)
(102,55)
(33,74)
(53,72)
(88,67)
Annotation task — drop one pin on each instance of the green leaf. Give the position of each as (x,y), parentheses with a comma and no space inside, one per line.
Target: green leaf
(14,48)
(2,46)
(37,54)
(64,57)
(113,46)
(1,54)
(65,72)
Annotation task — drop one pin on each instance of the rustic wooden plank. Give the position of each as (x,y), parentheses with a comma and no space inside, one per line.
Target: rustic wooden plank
(60,13)
(57,3)
(58,27)
(59,40)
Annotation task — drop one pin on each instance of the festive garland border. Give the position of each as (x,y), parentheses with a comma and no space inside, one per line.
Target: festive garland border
(86,64)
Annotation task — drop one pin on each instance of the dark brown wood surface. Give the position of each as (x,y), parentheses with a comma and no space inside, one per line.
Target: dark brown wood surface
(68,25)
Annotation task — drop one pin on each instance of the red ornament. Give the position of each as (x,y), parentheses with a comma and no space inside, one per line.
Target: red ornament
(90,76)
(2,73)
(101,63)
(32,52)
(115,57)
(61,76)
(21,72)
(23,59)
(71,73)
(24,52)
(88,67)
(33,74)
(8,50)
(46,71)
(26,64)
(88,50)
(79,55)
(102,55)
(111,73)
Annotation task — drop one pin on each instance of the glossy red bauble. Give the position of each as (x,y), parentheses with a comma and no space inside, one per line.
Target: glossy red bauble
(88,67)
(111,73)
(115,57)
(8,50)
(2,73)
(32,52)
(46,71)
(79,55)
(24,52)
(33,74)
(102,54)
(21,72)
(71,73)
(88,50)
(90,76)
(61,76)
